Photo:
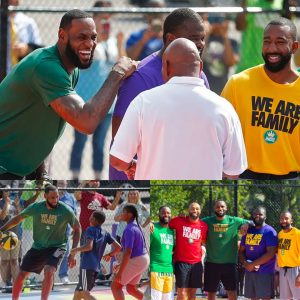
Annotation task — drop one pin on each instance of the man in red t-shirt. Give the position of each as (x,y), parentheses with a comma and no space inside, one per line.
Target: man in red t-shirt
(91,201)
(191,234)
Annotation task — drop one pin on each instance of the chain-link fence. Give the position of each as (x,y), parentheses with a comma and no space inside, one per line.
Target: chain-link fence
(22,191)
(241,196)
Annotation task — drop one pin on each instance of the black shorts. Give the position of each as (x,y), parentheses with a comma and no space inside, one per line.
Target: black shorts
(35,260)
(188,275)
(86,280)
(214,273)
(248,174)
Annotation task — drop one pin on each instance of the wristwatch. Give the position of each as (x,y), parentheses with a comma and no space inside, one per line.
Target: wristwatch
(118,70)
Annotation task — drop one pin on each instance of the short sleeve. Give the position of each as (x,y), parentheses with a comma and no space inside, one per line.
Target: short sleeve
(90,233)
(129,238)
(29,211)
(52,81)
(130,88)
(128,137)
(109,238)
(228,91)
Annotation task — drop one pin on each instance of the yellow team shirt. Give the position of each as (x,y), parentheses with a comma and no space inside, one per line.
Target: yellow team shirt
(289,248)
(269,113)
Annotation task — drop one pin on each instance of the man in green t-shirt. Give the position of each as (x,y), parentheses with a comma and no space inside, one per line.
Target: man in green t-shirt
(37,97)
(50,221)
(161,248)
(222,251)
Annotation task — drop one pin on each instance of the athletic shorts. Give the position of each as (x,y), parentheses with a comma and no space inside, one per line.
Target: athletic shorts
(188,275)
(135,269)
(214,273)
(35,260)
(287,278)
(161,286)
(86,280)
(259,285)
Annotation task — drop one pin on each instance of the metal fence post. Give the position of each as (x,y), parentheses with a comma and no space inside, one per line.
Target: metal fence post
(3,38)
(235,197)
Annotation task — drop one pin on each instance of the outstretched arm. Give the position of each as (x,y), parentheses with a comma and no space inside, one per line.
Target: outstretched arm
(85,117)
(12,223)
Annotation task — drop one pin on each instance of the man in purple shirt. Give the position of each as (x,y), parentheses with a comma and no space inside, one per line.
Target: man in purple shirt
(257,254)
(181,23)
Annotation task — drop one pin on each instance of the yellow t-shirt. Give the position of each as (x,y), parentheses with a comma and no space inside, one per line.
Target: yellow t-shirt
(289,248)
(269,113)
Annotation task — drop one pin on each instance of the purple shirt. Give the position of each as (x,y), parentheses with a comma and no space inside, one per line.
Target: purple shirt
(147,76)
(256,242)
(133,238)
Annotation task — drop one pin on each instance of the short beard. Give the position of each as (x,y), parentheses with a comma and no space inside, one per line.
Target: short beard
(258,223)
(164,221)
(274,68)
(288,226)
(193,217)
(51,205)
(74,58)
(219,215)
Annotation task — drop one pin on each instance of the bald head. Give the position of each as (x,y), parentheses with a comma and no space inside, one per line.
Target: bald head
(181,58)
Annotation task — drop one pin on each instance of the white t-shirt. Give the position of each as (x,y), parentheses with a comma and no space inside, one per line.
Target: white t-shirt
(181,130)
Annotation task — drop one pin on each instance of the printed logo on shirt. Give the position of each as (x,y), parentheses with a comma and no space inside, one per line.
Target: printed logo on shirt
(95,205)
(270,136)
(48,219)
(220,227)
(194,234)
(284,244)
(253,239)
(166,239)
(285,116)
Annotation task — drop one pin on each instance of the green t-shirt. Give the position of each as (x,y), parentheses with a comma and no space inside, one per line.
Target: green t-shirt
(252,36)
(29,127)
(222,239)
(49,225)
(161,248)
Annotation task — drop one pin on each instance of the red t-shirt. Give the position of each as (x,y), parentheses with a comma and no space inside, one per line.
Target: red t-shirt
(88,203)
(189,237)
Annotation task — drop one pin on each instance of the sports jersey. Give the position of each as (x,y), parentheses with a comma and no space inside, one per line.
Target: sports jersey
(222,239)
(161,248)
(29,127)
(90,202)
(269,113)
(289,248)
(256,242)
(189,237)
(49,225)
(90,260)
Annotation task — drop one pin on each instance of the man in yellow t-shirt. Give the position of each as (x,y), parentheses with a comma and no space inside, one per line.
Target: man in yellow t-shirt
(266,98)
(289,258)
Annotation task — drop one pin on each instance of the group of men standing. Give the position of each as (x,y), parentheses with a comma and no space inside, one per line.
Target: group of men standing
(177,244)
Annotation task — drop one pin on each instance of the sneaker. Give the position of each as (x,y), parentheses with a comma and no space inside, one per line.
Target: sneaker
(65,280)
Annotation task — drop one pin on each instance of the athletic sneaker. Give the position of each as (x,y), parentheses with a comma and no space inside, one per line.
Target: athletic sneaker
(65,280)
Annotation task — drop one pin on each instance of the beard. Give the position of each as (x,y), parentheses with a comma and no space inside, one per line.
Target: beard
(219,215)
(51,205)
(258,222)
(276,67)
(193,217)
(164,220)
(286,226)
(74,58)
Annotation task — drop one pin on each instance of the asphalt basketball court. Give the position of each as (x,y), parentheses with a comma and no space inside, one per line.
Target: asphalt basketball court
(65,293)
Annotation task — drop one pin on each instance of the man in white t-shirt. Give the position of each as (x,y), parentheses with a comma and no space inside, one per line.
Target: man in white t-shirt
(180,130)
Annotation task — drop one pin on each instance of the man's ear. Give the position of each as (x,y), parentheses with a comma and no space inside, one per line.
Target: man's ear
(295,46)
(61,34)
(170,37)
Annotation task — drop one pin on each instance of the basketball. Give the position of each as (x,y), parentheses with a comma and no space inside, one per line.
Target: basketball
(9,240)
